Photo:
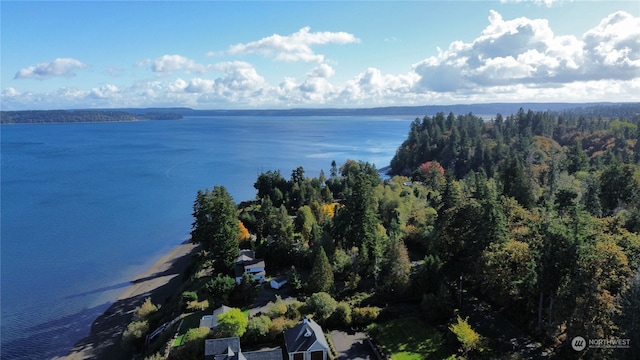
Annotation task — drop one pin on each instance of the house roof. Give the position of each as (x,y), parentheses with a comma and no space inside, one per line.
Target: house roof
(245,255)
(250,267)
(305,336)
(229,349)
(275,354)
(223,349)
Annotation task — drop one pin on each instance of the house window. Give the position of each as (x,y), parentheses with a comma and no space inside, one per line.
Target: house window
(298,356)
(317,355)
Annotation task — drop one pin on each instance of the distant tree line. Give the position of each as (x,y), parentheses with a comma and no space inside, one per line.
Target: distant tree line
(79,116)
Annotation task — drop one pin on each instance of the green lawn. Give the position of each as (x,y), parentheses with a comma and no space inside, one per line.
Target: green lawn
(410,339)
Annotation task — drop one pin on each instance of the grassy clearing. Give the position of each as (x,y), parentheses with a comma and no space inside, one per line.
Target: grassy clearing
(410,339)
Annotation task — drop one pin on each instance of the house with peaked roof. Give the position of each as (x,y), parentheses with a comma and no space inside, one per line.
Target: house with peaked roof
(229,349)
(211,321)
(306,341)
(247,263)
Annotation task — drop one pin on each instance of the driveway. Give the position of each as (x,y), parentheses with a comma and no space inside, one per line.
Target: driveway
(352,345)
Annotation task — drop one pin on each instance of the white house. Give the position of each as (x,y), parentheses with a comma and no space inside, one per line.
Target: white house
(247,263)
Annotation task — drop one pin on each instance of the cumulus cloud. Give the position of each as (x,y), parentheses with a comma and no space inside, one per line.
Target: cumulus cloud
(526,51)
(168,64)
(65,67)
(321,71)
(294,47)
(104,92)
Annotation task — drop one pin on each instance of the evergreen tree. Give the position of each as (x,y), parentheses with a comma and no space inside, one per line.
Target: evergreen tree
(577,158)
(216,226)
(321,277)
(396,268)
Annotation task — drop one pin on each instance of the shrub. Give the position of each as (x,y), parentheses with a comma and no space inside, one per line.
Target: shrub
(364,315)
(147,308)
(196,334)
(468,338)
(156,356)
(322,305)
(198,305)
(134,332)
(276,309)
(279,325)
(258,328)
(342,315)
(189,296)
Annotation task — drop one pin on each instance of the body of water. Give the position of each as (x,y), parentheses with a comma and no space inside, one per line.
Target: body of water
(86,207)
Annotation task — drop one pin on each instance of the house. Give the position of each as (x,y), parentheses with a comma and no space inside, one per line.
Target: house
(247,263)
(211,321)
(278,282)
(306,341)
(229,349)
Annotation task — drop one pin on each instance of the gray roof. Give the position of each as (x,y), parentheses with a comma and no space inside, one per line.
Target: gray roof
(223,349)
(275,354)
(229,349)
(305,336)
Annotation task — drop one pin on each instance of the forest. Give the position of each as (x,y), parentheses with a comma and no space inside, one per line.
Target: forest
(536,213)
(79,116)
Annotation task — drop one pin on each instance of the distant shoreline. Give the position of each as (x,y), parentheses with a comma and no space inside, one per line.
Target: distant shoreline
(133,114)
(159,282)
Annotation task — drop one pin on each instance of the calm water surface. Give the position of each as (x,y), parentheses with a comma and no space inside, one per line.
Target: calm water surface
(86,207)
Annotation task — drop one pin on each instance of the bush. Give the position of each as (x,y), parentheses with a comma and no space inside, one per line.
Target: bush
(147,308)
(468,338)
(135,332)
(341,317)
(322,305)
(197,305)
(156,356)
(258,328)
(196,334)
(279,325)
(364,315)
(276,309)
(189,296)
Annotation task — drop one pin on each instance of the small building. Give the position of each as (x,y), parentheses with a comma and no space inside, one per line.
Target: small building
(247,263)
(211,321)
(278,282)
(306,341)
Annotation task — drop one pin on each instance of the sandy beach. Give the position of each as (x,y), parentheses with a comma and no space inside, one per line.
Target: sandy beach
(159,282)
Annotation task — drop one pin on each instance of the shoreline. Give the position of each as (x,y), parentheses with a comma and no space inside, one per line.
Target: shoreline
(159,282)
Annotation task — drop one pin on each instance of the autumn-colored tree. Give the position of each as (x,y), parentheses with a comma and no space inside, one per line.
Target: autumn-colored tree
(243,235)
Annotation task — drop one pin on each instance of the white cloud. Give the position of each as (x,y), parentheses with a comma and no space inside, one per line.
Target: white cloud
(104,92)
(294,47)
(168,64)
(66,67)
(321,71)
(526,51)
(510,60)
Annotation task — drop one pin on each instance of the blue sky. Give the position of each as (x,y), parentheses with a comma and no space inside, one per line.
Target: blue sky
(214,54)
